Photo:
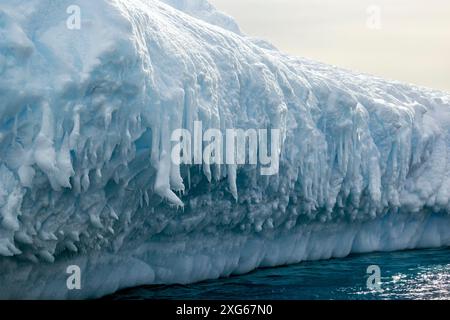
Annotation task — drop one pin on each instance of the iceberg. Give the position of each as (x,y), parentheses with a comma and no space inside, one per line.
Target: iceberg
(90,94)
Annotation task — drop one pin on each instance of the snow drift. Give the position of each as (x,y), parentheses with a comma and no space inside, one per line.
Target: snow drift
(85,177)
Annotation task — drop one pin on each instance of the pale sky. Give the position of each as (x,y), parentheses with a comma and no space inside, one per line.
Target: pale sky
(412,44)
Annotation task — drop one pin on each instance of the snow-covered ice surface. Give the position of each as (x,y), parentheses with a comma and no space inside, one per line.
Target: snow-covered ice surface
(203,10)
(85,176)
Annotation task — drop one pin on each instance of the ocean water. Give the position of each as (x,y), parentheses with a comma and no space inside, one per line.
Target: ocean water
(418,274)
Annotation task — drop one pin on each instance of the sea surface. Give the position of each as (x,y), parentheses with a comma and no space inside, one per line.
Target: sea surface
(418,274)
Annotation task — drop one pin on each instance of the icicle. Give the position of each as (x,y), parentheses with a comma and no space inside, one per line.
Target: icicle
(44,152)
(74,235)
(162,183)
(22,237)
(113,213)
(4,248)
(232,180)
(146,198)
(64,164)
(71,246)
(85,182)
(95,219)
(75,134)
(162,186)
(31,257)
(46,256)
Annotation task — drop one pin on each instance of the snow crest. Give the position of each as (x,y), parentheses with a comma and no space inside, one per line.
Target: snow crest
(203,10)
(85,173)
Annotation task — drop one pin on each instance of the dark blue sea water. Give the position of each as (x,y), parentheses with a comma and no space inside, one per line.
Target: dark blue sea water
(421,274)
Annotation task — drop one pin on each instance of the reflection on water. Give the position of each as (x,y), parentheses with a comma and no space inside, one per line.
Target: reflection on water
(421,283)
(421,274)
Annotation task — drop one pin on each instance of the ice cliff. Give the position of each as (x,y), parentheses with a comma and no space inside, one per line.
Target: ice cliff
(85,177)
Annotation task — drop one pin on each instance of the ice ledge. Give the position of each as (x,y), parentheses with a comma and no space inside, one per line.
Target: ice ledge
(199,258)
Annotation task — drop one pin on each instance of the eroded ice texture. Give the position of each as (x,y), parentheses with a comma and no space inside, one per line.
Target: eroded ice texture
(85,171)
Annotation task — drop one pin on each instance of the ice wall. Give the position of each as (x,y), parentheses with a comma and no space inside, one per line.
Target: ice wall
(85,123)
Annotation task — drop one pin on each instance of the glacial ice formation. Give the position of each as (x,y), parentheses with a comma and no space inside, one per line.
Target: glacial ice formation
(85,172)
(203,10)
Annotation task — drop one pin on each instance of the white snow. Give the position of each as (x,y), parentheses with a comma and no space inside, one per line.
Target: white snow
(203,10)
(85,169)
